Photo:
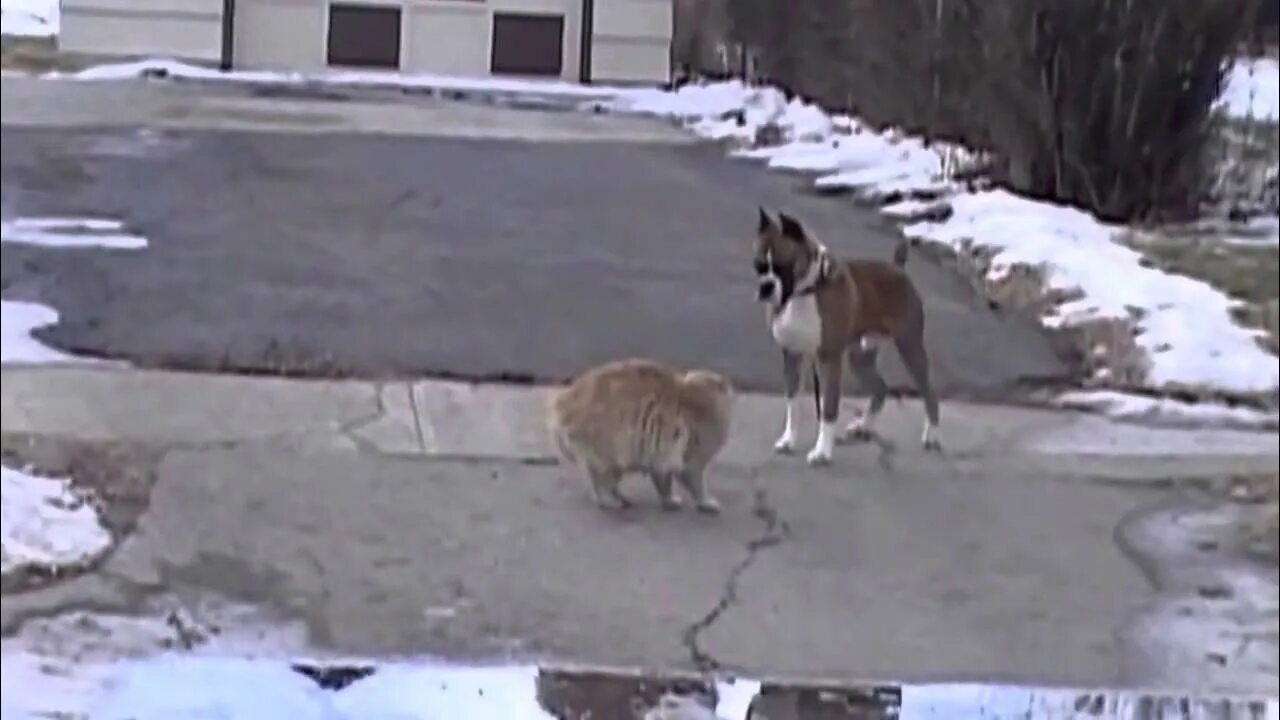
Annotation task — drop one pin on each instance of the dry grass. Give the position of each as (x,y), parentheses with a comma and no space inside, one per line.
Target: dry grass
(1246,272)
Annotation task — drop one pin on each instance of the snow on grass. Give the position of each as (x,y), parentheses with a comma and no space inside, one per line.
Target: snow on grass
(1186,328)
(45,524)
(1168,411)
(168,67)
(1253,89)
(29,18)
(70,232)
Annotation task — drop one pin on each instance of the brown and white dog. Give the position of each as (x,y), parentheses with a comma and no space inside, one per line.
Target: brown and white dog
(821,309)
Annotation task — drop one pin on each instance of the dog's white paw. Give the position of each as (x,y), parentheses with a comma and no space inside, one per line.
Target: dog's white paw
(929,438)
(786,444)
(818,456)
(862,428)
(858,430)
(709,506)
(821,452)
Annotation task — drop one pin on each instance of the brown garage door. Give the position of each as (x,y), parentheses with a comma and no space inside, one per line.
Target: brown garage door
(527,44)
(364,36)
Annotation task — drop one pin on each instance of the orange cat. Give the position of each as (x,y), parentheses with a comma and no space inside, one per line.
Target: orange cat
(638,415)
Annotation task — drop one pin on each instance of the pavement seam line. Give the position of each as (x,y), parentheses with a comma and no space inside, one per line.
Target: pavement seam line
(417,421)
(775,531)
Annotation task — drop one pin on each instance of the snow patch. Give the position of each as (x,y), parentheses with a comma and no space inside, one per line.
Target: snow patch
(30,18)
(175,687)
(168,67)
(425,691)
(1101,436)
(98,666)
(944,701)
(1168,411)
(1253,89)
(17,320)
(853,155)
(46,524)
(70,232)
(735,696)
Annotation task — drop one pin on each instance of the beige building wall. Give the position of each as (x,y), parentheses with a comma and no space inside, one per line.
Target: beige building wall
(632,41)
(446,37)
(281,34)
(183,28)
(631,38)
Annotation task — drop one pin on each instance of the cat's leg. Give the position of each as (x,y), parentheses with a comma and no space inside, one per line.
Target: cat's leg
(664,483)
(695,483)
(604,486)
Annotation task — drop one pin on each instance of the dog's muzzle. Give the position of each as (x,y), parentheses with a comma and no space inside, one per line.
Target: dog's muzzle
(767,290)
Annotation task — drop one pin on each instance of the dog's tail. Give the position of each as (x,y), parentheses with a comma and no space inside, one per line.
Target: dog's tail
(900,253)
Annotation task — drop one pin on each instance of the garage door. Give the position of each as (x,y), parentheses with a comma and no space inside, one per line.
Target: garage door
(364,36)
(527,44)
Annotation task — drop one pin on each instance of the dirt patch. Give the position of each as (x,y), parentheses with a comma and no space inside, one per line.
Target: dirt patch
(36,55)
(116,476)
(1260,533)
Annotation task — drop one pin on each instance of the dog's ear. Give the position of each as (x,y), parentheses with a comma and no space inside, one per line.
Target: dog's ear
(766,222)
(791,228)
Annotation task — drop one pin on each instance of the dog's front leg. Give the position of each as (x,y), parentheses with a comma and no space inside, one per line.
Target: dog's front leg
(792,363)
(830,366)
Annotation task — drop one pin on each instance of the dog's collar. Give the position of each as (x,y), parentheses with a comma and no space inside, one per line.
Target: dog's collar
(819,271)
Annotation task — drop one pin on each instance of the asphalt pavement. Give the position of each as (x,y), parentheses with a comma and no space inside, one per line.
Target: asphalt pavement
(428,238)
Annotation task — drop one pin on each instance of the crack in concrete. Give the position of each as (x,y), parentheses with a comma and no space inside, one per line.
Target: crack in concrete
(775,531)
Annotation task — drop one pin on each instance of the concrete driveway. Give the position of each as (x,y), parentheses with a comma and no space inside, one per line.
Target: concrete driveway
(389,525)
(386,237)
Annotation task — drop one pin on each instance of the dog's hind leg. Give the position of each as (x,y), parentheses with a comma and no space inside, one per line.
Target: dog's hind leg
(916,361)
(862,361)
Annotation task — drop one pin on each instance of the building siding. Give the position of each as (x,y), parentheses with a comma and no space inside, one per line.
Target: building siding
(630,38)
(184,28)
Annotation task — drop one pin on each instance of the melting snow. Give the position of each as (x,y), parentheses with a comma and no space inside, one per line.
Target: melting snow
(70,232)
(46,524)
(1253,89)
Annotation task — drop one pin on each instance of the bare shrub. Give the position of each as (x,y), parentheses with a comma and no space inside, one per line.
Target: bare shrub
(1103,104)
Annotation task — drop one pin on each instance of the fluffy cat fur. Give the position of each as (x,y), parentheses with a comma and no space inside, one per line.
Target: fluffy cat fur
(642,416)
